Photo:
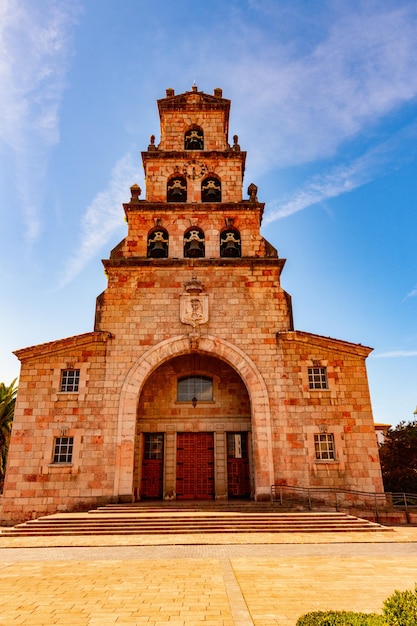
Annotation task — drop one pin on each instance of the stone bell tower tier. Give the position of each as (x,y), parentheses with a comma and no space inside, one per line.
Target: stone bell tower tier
(194,383)
(194,145)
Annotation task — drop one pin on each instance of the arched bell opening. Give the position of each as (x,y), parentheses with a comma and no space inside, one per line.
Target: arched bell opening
(177,189)
(194,243)
(230,243)
(194,138)
(211,189)
(193,432)
(158,240)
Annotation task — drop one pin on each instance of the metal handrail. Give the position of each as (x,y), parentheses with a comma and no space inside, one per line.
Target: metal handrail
(325,497)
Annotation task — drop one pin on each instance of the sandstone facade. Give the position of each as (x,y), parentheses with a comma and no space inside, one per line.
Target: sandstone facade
(194,383)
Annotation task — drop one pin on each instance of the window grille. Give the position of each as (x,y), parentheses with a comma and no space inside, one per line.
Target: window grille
(70,380)
(324,445)
(199,387)
(317,378)
(154,446)
(63,449)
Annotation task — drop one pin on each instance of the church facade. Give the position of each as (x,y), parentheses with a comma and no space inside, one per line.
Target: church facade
(194,383)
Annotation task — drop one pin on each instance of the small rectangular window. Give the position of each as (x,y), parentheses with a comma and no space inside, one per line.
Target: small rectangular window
(70,380)
(317,378)
(324,445)
(237,447)
(154,446)
(63,449)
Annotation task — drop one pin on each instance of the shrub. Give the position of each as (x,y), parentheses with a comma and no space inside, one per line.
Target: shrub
(400,609)
(341,618)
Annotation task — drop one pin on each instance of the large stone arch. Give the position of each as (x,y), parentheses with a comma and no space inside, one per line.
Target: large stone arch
(175,346)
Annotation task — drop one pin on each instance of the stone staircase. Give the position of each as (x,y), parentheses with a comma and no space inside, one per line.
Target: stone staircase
(189,518)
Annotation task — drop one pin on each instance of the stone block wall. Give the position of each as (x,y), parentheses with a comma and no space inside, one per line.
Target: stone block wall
(212,220)
(34,484)
(344,410)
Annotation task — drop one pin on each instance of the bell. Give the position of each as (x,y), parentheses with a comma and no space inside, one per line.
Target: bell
(194,249)
(230,249)
(158,250)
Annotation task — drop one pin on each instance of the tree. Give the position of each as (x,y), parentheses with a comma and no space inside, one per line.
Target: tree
(7,402)
(398,456)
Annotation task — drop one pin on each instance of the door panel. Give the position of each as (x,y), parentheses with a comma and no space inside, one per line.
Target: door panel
(238,483)
(152,484)
(195,466)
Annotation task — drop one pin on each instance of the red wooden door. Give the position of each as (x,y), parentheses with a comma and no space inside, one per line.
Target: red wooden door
(238,484)
(195,466)
(152,483)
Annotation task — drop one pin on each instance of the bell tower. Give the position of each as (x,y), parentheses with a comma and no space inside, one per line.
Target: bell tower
(194,207)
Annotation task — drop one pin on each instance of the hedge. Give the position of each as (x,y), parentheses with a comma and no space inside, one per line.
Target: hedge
(341,618)
(400,609)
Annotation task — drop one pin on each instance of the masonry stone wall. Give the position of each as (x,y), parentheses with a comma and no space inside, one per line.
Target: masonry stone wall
(34,484)
(344,410)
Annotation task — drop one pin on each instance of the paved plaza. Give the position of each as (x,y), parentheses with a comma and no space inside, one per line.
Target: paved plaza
(213,580)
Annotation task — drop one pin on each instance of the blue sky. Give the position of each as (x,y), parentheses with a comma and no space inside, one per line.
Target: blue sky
(324,99)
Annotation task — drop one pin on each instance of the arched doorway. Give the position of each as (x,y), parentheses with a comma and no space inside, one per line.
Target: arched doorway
(193,431)
(147,363)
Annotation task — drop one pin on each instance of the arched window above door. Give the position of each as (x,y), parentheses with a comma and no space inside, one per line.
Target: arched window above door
(195,387)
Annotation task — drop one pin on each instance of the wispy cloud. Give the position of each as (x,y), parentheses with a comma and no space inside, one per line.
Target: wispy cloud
(303,102)
(376,162)
(395,354)
(34,55)
(103,216)
(412,293)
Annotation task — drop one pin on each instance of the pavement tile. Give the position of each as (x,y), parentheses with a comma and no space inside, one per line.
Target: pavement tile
(233,580)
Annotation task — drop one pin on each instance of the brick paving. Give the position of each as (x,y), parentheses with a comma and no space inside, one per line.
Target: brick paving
(212,580)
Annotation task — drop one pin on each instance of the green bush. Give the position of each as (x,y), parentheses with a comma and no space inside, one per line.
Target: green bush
(400,609)
(341,618)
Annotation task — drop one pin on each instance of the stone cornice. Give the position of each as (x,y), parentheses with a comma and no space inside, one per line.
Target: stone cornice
(75,341)
(200,207)
(169,263)
(329,343)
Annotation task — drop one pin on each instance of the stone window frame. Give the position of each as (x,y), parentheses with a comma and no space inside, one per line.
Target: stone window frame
(82,383)
(72,467)
(304,382)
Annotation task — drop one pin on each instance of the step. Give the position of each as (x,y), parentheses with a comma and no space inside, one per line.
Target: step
(143,522)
